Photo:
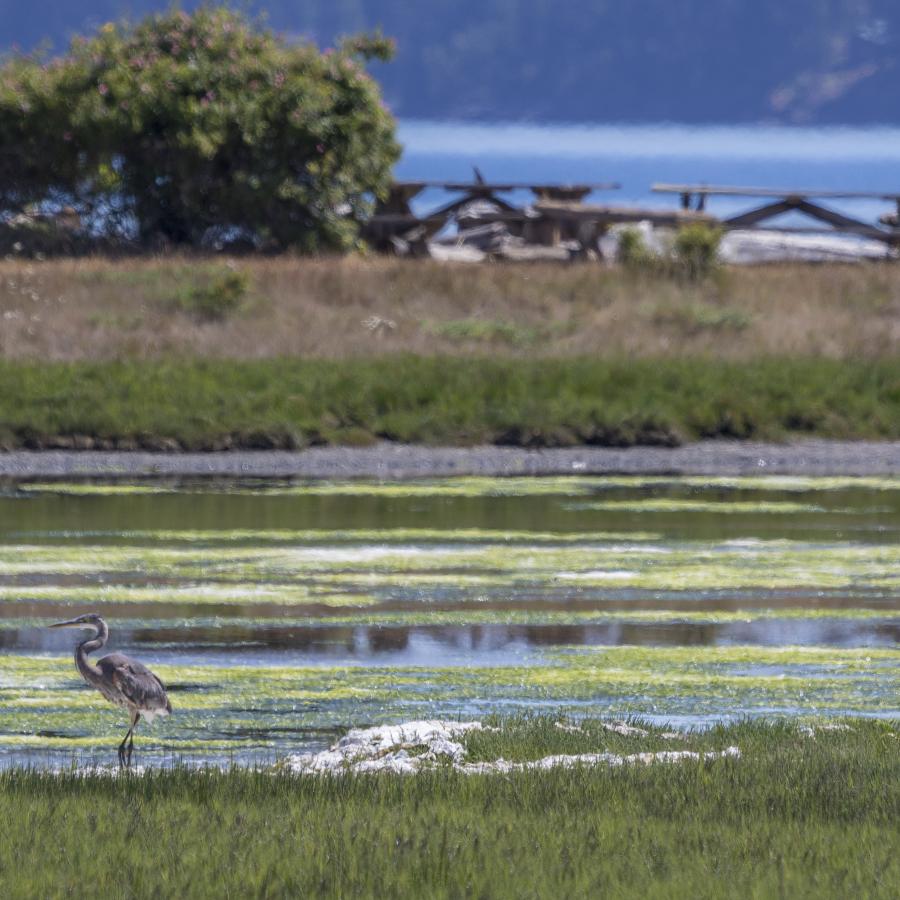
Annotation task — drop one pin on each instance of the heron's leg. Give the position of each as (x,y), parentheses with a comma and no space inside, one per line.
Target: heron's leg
(135,718)
(125,747)
(122,748)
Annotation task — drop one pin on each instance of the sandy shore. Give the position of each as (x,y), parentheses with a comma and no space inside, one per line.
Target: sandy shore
(393,461)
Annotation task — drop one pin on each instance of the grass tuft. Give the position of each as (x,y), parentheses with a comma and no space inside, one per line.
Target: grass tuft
(218,294)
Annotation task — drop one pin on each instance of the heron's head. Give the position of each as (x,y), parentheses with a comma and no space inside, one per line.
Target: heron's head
(90,620)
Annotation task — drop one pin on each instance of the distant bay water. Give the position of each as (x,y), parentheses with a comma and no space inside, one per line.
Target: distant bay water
(845,159)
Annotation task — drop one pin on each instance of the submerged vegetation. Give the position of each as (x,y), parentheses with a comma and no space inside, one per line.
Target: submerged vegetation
(290,403)
(803,812)
(251,712)
(277,611)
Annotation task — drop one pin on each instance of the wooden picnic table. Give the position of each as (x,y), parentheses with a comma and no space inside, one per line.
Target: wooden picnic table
(586,222)
(693,196)
(394,218)
(403,192)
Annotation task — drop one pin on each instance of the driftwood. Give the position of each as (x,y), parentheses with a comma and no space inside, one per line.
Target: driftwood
(615,215)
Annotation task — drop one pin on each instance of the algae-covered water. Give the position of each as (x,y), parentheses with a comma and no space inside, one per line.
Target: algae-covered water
(281,613)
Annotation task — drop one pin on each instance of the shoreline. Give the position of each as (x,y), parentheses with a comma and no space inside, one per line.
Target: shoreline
(390,462)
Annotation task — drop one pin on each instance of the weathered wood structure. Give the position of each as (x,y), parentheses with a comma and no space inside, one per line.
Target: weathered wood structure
(694,197)
(557,215)
(587,223)
(395,225)
(559,224)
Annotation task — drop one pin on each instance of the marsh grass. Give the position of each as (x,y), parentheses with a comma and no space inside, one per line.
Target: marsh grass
(484,331)
(694,318)
(290,403)
(798,815)
(101,309)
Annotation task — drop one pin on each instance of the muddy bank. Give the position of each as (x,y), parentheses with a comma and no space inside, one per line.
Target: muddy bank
(401,461)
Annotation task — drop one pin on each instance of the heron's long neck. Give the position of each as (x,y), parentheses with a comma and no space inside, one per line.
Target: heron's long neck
(89,672)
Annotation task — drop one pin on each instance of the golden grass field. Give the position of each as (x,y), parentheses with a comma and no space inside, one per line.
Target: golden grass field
(342,307)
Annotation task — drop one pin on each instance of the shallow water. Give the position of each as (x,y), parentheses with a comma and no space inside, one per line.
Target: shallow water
(282,613)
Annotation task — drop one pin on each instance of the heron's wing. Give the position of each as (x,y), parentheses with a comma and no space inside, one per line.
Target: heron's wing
(135,682)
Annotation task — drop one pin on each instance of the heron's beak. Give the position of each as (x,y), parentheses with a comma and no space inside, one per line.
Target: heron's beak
(74,623)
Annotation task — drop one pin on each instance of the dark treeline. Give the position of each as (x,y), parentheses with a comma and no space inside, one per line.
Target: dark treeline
(587,60)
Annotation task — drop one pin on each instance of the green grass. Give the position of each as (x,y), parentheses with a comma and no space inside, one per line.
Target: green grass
(798,815)
(549,402)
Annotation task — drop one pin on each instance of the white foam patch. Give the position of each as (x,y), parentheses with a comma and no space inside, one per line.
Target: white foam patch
(598,575)
(366,554)
(419,746)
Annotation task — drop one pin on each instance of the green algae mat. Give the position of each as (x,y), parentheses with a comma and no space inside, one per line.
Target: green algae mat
(282,613)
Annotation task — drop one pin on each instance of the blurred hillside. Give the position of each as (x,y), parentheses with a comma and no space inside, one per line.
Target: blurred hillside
(729,61)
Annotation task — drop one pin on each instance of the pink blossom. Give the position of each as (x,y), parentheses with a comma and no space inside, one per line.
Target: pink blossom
(320,148)
(67,135)
(103,89)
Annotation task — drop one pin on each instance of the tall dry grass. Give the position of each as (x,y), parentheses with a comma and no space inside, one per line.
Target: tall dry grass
(102,309)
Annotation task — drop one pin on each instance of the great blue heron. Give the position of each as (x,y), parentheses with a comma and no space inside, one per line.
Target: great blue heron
(122,680)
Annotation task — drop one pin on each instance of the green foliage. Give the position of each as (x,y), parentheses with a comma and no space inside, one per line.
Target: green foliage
(485,331)
(693,254)
(795,816)
(198,129)
(528,402)
(695,318)
(696,251)
(220,293)
(633,252)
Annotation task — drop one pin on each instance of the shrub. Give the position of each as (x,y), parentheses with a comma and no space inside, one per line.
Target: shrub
(218,296)
(633,252)
(696,250)
(185,126)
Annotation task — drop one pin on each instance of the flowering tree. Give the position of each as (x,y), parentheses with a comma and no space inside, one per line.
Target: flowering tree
(185,128)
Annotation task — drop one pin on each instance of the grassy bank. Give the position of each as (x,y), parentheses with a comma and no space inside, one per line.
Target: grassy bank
(252,308)
(551,402)
(800,814)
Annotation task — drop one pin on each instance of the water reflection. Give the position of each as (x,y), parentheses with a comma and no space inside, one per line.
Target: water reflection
(443,645)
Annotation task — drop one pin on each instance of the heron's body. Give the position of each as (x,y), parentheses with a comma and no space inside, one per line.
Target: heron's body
(122,680)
